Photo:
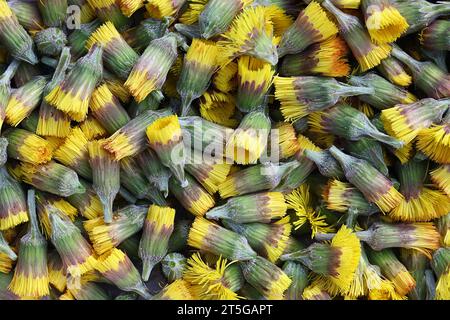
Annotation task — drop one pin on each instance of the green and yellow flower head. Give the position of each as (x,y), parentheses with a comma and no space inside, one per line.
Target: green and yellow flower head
(326,58)
(126,222)
(118,268)
(28,147)
(13,208)
(440,264)
(24,100)
(53,122)
(74,153)
(57,276)
(251,33)
(151,69)
(254,80)
(193,197)
(385,94)
(393,70)
(106,108)
(210,173)
(342,197)
(300,96)
(73,95)
(427,76)
(259,207)
(210,237)
(421,13)
(118,56)
(383,21)
(393,270)
(269,240)
(421,236)
(420,202)
(74,250)
(52,177)
(367,53)
(347,122)
(129,7)
(164,8)
(300,201)
(158,228)
(268,279)
(405,121)
(131,139)
(248,142)
(217,16)
(200,63)
(374,186)
(312,25)
(28,15)
(177,290)
(441,177)
(208,283)
(339,259)
(14,37)
(105,176)
(166,139)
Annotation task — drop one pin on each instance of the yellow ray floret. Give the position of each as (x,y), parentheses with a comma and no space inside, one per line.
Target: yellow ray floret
(208,282)
(441,177)
(29,286)
(299,200)
(110,261)
(385,25)
(104,35)
(427,205)
(435,143)
(164,130)
(349,247)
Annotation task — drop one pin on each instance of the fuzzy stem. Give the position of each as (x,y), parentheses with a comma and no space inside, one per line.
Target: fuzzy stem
(9,73)
(63,64)
(142,290)
(31,201)
(346,161)
(343,19)
(186,102)
(405,58)
(374,133)
(147,267)
(4,247)
(345,90)
(218,212)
